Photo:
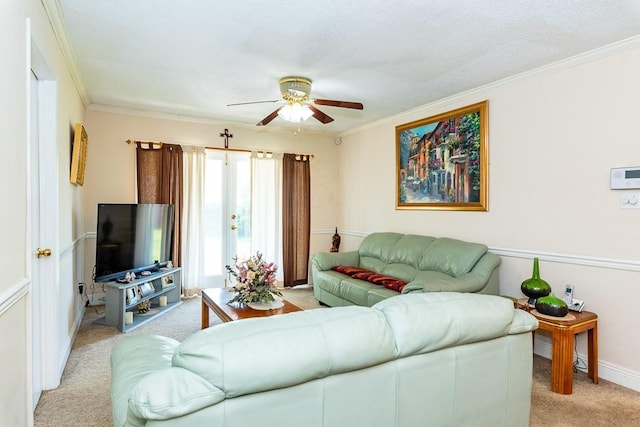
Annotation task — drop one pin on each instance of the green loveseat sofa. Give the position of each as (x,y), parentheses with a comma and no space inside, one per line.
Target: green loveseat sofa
(388,264)
(423,359)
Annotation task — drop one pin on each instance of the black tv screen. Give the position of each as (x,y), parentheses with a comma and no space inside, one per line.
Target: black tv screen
(132,237)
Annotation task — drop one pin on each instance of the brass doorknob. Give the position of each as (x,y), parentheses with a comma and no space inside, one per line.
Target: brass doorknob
(43,252)
(234,227)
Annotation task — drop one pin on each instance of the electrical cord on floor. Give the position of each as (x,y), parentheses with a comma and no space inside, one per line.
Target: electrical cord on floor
(578,364)
(88,297)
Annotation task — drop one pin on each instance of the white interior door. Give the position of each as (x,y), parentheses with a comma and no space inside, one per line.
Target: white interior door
(43,237)
(227,212)
(35,241)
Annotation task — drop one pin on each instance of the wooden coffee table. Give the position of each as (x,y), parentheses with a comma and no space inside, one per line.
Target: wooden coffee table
(216,299)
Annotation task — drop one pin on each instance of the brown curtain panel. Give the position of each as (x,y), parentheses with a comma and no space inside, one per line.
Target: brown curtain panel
(160,181)
(296,218)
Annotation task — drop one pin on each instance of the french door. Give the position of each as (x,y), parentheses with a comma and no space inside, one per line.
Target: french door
(227,213)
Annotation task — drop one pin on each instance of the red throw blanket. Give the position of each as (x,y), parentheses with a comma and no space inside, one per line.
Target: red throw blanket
(388,282)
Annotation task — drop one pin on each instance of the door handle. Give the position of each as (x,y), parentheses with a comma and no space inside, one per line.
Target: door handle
(234,227)
(43,252)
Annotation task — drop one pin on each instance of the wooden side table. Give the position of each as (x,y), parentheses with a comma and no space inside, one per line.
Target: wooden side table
(563,331)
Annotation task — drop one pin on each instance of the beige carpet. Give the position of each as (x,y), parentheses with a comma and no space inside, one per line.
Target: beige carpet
(82,399)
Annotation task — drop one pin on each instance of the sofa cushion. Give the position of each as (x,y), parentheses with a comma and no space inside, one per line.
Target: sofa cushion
(404,272)
(432,281)
(355,290)
(302,346)
(380,246)
(410,249)
(426,322)
(451,256)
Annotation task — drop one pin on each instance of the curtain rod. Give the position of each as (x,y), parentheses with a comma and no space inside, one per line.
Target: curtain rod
(238,150)
(130,141)
(257,151)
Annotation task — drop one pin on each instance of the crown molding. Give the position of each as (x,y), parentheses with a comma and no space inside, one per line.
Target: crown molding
(56,19)
(201,120)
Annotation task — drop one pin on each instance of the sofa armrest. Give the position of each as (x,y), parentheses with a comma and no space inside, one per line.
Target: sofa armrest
(523,322)
(464,283)
(170,393)
(323,261)
(132,359)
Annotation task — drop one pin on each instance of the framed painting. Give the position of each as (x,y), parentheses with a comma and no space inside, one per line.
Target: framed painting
(442,161)
(78,155)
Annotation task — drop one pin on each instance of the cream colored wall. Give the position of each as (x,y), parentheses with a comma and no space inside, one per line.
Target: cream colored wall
(16,287)
(553,137)
(110,175)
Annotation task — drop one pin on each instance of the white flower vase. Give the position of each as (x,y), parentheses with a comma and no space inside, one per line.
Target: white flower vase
(271,305)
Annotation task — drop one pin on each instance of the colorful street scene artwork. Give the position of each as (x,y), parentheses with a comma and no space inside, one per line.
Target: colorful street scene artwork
(441,161)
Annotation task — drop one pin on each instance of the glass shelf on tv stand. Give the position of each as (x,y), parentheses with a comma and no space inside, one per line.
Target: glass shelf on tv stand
(117,304)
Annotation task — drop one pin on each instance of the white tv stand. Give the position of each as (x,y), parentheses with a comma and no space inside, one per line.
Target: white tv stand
(167,281)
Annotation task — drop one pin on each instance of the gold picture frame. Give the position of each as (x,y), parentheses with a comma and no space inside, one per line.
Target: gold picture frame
(78,155)
(442,161)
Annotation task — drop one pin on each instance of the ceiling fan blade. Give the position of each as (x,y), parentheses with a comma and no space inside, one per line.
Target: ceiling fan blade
(319,115)
(252,102)
(268,119)
(342,104)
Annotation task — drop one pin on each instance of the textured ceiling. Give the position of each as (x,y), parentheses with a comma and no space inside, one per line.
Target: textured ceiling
(192,58)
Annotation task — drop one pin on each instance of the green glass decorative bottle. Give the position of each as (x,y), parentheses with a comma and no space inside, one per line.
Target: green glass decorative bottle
(551,305)
(535,287)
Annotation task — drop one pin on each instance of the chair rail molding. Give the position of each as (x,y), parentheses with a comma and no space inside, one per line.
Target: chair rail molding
(14,294)
(610,263)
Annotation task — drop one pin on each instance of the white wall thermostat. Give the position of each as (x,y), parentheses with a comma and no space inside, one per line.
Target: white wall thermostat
(625,178)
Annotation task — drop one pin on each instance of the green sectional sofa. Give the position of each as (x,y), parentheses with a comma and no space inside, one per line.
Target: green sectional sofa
(388,264)
(423,359)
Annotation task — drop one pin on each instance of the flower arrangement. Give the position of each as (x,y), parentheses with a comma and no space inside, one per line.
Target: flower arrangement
(144,306)
(255,278)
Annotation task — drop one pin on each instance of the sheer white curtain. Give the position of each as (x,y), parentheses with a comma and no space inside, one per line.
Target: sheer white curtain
(193,211)
(266,207)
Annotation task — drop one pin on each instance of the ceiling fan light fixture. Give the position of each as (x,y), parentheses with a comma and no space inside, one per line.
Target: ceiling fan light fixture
(295,112)
(295,88)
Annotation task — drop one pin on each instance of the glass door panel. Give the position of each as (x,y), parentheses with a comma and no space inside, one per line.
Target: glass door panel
(227,212)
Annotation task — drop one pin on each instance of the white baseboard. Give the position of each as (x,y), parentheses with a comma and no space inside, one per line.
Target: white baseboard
(606,371)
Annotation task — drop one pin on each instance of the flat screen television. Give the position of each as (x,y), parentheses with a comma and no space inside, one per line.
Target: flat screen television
(132,237)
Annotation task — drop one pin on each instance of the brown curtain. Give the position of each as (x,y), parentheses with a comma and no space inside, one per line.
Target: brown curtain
(160,181)
(296,218)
